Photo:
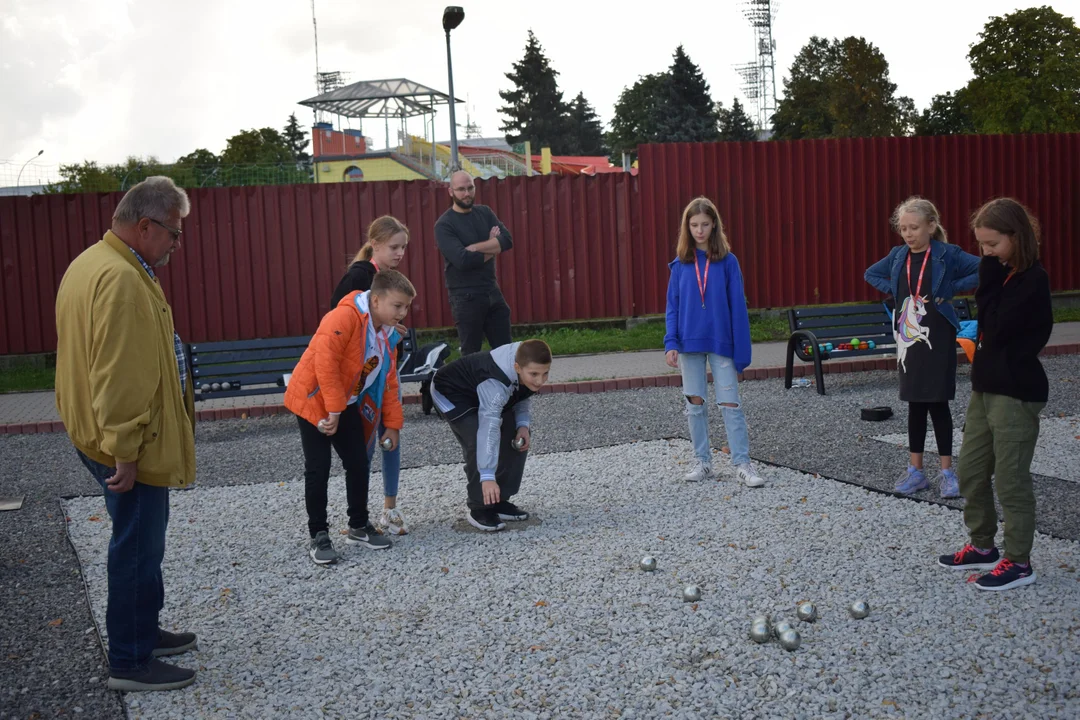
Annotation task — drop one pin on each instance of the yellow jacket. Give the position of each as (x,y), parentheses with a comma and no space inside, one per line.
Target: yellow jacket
(117,384)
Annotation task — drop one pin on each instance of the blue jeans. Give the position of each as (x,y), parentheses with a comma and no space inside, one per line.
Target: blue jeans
(136,589)
(726,385)
(391,467)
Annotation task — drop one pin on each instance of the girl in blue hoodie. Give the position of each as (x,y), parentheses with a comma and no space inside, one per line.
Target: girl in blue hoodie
(707,321)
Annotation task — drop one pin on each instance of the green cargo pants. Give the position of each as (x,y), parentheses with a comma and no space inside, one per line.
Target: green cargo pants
(999,440)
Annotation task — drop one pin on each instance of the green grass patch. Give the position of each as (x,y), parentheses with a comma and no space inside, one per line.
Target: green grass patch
(26,378)
(1067,314)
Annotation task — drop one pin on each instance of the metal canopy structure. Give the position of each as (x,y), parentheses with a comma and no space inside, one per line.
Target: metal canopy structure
(394,98)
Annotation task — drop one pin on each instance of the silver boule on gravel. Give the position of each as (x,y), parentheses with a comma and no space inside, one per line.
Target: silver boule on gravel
(760,620)
(691,593)
(859,609)
(759,633)
(781,627)
(807,612)
(648,563)
(790,640)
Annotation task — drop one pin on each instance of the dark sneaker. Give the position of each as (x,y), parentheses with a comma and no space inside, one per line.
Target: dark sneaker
(173,643)
(970,559)
(157,676)
(321,549)
(367,536)
(1006,575)
(486,519)
(509,511)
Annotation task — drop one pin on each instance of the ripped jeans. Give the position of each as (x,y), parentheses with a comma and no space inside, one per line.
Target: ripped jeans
(726,386)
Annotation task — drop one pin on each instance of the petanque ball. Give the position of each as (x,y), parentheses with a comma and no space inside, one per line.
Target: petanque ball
(806,612)
(781,627)
(386,443)
(215,387)
(859,609)
(226,386)
(205,387)
(691,593)
(648,563)
(790,640)
(759,633)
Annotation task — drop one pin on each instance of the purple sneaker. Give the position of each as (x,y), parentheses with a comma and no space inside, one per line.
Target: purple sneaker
(949,484)
(913,481)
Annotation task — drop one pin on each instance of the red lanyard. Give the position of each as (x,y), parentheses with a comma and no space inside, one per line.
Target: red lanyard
(1009,277)
(918,286)
(702,285)
(374,265)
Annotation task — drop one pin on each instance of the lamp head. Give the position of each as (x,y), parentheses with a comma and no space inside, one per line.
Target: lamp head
(452,17)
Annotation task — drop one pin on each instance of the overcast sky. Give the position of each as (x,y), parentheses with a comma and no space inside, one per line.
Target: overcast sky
(106,79)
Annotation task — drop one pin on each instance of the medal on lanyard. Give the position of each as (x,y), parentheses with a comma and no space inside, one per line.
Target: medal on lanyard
(918,285)
(702,285)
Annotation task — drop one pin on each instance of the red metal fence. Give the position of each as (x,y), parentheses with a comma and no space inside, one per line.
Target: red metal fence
(805,219)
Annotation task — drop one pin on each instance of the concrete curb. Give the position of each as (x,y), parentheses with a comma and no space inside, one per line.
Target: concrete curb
(582,388)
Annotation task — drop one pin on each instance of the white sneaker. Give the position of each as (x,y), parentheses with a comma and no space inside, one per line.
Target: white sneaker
(748,477)
(391,522)
(698,471)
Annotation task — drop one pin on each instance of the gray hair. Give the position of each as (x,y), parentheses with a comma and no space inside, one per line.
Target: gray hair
(155,197)
(925,209)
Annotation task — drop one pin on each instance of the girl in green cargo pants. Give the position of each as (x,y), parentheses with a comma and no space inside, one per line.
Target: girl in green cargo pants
(1009,389)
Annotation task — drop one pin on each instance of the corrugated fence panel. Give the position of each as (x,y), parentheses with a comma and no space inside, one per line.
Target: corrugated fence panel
(805,219)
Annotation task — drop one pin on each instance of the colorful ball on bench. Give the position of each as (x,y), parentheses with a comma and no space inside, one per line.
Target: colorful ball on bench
(828,346)
(871,344)
(855,342)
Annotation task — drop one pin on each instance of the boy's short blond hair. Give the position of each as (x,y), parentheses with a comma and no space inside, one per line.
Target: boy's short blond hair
(533,351)
(386,281)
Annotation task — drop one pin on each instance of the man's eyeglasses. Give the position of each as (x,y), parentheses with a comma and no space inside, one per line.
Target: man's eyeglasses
(172,231)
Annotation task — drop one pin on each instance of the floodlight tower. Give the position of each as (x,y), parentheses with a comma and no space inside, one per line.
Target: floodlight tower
(759,77)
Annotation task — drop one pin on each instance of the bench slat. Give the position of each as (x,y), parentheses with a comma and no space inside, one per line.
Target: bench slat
(230,345)
(844,321)
(209,359)
(244,380)
(233,369)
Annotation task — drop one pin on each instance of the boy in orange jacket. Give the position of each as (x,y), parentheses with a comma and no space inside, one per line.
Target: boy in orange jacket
(343,382)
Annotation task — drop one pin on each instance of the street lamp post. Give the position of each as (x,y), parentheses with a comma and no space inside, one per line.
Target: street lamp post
(452,17)
(19,176)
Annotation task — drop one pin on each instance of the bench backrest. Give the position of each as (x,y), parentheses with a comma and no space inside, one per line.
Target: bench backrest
(262,362)
(870,321)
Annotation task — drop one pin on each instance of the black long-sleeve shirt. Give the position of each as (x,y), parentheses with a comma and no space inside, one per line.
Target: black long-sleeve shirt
(455,231)
(1015,321)
(357,277)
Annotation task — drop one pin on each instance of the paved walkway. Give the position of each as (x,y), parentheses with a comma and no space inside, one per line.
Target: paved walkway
(35,407)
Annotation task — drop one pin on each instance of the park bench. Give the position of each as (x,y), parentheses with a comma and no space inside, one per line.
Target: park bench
(812,327)
(240,368)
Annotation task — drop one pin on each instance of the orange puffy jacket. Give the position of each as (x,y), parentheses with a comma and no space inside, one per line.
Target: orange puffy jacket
(329,370)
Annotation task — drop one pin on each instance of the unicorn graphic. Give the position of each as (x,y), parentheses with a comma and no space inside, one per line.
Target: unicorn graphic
(909,329)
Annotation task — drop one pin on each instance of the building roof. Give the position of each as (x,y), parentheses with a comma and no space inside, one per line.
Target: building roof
(396,98)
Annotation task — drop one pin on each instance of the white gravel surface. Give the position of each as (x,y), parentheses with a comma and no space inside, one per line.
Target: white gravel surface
(555,620)
(1057,451)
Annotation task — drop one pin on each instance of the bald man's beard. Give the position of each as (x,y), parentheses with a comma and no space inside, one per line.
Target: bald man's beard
(465,204)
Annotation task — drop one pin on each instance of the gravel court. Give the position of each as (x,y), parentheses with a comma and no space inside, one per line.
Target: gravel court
(435,627)
(55,668)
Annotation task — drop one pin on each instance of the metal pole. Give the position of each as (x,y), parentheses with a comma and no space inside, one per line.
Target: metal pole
(453,122)
(19,176)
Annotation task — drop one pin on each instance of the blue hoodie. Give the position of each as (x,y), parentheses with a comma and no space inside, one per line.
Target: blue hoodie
(723,325)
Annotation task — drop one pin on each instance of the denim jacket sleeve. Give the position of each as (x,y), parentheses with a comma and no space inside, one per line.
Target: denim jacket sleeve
(878,274)
(966,271)
(671,336)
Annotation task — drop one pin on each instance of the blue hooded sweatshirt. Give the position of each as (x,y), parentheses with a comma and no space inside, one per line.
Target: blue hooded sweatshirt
(723,325)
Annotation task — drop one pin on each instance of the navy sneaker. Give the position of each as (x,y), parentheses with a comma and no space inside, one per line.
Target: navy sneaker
(970,559)
(507,510)
(485,518)
(1006,576)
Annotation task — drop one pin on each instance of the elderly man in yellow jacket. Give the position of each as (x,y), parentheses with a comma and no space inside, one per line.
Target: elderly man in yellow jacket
(123,392)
